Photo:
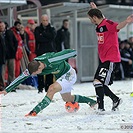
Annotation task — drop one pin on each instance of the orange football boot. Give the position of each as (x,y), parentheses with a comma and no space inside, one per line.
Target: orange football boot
(32,113)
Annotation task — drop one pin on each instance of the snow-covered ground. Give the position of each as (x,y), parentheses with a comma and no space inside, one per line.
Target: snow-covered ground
(55,119)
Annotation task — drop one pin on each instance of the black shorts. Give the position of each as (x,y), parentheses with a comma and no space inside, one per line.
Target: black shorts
(104,73)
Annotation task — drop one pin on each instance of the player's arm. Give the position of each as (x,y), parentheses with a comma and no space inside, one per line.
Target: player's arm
(56,58)
(62,55)
(125,22)
(93,5)
(16,82)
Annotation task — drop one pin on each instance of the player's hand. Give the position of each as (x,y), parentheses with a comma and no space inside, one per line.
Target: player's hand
(93,5)
(3,92)
(129,19)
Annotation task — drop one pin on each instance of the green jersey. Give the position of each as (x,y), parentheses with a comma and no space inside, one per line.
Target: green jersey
(17,81)
(55,64)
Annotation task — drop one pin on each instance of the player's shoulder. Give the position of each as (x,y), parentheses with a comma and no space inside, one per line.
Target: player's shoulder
(110,22)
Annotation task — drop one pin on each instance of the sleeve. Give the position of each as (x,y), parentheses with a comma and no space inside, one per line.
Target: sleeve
(112,26)
(56,58)
(17,81)
(63,55)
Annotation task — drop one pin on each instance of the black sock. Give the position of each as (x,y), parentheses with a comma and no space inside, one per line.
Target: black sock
(109,93)
(100,97)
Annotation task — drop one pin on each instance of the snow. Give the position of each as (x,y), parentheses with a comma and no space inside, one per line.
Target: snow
(55,119)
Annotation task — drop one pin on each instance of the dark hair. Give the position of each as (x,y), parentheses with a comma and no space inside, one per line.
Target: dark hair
(33,66)
(16,23)
(95,12)
(65,20)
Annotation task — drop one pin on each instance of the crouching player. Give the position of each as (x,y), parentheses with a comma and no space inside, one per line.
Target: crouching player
(52,63)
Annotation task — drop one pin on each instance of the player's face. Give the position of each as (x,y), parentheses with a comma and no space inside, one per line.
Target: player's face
(93,20)
(40,68)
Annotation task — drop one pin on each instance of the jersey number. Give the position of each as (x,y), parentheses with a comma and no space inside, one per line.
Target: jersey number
(103,72)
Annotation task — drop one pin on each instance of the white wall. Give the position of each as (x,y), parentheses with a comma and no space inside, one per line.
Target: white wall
(126,32)
(130,30)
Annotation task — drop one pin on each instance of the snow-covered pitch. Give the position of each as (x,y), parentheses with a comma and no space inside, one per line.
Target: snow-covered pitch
(55,119)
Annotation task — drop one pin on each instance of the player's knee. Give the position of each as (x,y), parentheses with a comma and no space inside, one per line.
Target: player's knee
(51,90)
(97,83)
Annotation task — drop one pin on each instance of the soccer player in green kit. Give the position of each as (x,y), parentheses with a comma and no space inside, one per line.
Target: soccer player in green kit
(53,63)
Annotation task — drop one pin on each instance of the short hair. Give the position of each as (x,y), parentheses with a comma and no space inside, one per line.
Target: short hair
(95,12)
(65,20)
(16,23)
(33,66)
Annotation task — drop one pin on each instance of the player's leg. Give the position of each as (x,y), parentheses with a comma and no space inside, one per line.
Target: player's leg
(66,82)
(54,88)
(104,76)
(99,94)
(101,78)
(116,100)
(98,82)
(67,97)
(110,94)
(70,76)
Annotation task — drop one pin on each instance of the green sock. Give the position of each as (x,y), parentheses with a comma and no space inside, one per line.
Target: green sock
(83,99)
(43,104)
